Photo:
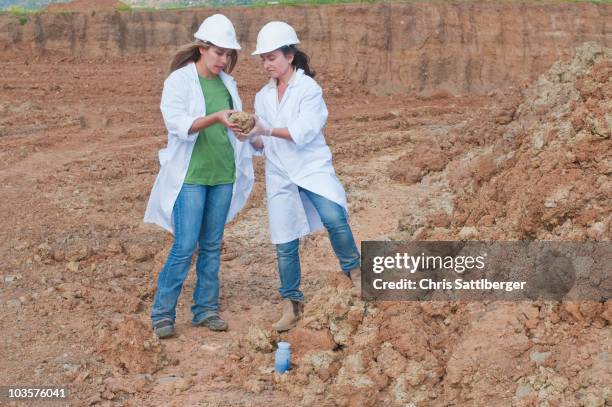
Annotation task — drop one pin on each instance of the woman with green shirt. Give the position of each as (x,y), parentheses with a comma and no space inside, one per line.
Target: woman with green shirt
(212,160)
(206,173)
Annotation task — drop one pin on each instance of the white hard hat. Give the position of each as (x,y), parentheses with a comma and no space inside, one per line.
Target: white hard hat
(218,30)
(274,35)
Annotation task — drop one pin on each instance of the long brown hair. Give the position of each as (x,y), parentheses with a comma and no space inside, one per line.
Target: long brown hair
(191,53)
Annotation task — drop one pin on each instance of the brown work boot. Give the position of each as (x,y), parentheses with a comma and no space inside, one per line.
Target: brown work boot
(356,278)
(292,311)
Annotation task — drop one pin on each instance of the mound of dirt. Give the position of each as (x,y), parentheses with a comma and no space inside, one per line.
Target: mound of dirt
(87,6)
(548,176)
(350,353)
(538,169)
(131,346)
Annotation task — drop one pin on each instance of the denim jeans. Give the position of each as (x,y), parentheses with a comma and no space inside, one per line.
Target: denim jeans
(199,216)
(341,238)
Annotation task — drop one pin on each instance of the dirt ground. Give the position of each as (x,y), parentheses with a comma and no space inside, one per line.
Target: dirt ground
(79,140)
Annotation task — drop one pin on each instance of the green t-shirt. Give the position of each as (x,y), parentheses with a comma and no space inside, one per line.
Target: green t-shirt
(212,160)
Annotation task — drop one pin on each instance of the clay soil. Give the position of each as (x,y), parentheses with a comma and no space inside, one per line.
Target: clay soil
(79,141)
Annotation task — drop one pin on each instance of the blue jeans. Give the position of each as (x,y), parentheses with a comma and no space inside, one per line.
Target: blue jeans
(341,238)
(199,216)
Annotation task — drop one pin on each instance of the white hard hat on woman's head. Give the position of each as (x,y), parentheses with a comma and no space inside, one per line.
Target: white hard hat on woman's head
(274,35)
(218,30)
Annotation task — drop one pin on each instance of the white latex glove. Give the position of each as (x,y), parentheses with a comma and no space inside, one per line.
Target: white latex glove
(259,129)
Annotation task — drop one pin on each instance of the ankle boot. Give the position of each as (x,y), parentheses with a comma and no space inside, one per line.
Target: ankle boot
(292,311)
(355,275)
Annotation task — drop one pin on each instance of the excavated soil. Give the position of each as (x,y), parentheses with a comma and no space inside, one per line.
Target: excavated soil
(79,139)
(245,121)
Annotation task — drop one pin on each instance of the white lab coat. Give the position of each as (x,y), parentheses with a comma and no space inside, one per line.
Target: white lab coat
(182,102)
(306,162)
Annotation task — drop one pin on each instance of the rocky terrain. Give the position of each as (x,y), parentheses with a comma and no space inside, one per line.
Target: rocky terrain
(523,152)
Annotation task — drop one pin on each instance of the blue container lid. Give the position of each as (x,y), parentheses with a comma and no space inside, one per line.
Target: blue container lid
(284,345)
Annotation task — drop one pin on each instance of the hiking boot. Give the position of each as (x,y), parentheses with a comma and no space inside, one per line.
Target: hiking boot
(355,275)
(164,328)
(292,311)
(213,322)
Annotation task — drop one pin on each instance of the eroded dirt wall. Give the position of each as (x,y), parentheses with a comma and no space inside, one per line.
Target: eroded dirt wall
(422,48)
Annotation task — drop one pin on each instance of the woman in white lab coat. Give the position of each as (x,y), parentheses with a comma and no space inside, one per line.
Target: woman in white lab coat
(206,173)
(303,191)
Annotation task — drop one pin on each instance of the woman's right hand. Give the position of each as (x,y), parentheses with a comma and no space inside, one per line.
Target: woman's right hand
(222,116)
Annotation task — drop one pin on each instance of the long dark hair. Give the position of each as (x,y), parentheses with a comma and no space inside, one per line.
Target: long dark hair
(191,53)
(300,59)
